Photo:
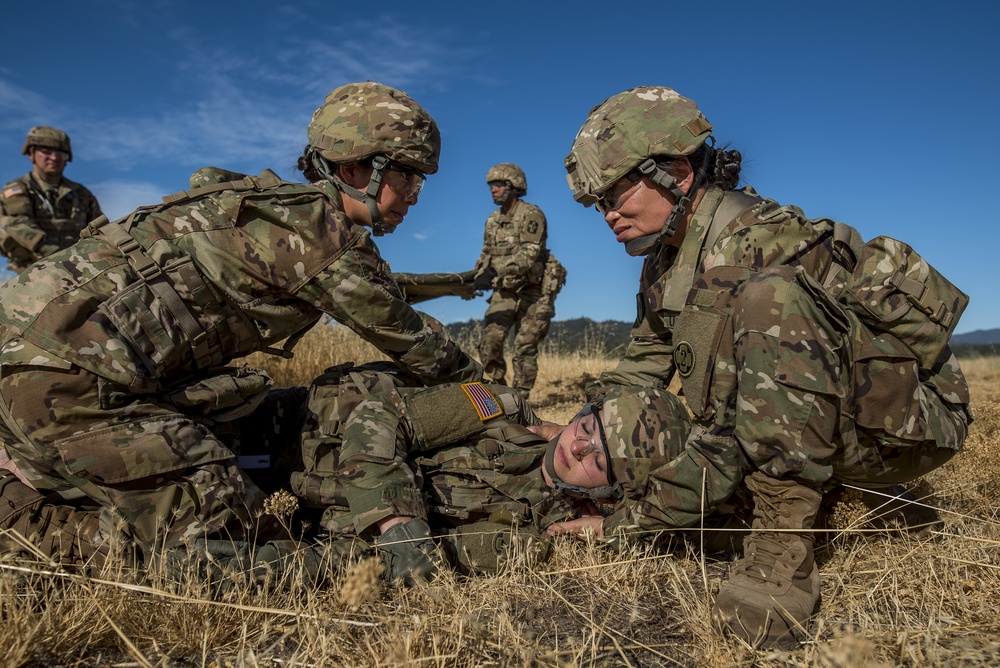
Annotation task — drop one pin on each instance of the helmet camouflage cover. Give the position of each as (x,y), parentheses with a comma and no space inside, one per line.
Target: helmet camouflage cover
(508,171)
(624,130)
(49,137)
(360,120)
(644,429)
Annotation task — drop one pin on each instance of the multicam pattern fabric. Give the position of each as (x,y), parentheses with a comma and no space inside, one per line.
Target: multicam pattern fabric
(424,452)
(508,171)
(249,268)
(528,278)
(360,120)
(37,219)
(660,122)
(644,429)
(779,375)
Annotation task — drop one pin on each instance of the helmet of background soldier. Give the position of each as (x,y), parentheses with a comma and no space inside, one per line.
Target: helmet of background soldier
(625,130)
(360,120)
(644,428)
(512,174)
(48,137)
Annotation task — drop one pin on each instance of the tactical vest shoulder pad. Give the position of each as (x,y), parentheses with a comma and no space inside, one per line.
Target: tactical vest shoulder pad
(266,179)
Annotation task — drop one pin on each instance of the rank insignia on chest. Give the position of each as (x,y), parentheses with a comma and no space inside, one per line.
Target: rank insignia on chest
(10,191)
(487,406)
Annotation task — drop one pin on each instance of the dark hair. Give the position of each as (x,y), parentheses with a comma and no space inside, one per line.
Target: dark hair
(722,170)
(305,165)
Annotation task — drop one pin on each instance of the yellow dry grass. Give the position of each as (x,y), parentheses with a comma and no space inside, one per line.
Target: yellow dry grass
(887,600)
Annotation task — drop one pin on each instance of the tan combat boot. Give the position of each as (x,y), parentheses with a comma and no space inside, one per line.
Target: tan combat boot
(774,589)
(62,533)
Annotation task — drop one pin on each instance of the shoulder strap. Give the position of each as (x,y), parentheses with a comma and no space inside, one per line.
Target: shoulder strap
(266,179)
(733,204)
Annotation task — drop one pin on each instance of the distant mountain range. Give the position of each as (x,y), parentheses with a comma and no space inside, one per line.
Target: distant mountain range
(979,337)
(610,337)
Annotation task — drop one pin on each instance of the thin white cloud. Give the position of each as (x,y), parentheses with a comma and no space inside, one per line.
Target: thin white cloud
(225,115)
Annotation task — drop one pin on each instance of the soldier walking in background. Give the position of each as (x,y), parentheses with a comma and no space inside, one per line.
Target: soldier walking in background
(42,211)
(113,352)
(808,358)
(524,275)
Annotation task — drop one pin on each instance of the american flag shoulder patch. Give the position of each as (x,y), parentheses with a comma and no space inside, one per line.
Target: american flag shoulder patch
(486,404)
(10,191)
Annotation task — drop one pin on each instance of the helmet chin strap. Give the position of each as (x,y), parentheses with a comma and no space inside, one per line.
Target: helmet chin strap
(379,163)
(597,494)
(506,193)
(644,245)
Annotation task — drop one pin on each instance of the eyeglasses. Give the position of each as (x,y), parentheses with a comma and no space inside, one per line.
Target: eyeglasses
(596,441)
(619,193)
(46,150)
(413,180)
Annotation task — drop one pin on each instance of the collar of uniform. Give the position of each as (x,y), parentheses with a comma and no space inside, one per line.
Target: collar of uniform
(681,275)
(331,191)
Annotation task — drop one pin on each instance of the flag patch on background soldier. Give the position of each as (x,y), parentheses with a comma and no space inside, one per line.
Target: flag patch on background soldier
(10,191)
(486,404)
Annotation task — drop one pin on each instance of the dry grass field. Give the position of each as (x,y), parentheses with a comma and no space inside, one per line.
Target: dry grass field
(931,600)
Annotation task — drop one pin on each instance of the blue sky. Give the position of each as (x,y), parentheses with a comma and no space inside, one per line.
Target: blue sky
(883,115)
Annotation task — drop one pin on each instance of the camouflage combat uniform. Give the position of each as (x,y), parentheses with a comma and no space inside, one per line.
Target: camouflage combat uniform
(37,219)
(779,375)
(432,453)
(111,351)
(528,277)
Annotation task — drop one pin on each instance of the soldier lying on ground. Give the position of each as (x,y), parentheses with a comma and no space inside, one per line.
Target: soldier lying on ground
(396,465)
(426,476)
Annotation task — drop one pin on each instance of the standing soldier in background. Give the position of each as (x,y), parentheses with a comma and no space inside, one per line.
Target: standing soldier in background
(113,352)
(42,212)
(524,275)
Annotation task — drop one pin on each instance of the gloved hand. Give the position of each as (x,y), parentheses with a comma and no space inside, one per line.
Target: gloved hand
(288,561)
(484,279)
(408,552)
(482,547)
(216,562)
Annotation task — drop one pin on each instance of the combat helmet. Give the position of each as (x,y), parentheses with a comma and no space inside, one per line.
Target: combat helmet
(43,135)
(369,120)
(624,134)
(511,174)
(641,429)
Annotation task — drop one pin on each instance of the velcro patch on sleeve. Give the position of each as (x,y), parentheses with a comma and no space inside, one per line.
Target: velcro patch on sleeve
(487,406)
(10,191)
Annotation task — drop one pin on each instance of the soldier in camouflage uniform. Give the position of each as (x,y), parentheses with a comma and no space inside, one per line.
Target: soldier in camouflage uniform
(113,352)
(755,306)
(524,275)
(42,211)
(399,464)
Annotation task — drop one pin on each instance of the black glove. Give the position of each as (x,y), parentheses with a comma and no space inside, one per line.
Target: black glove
(408,552)
(484,279)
